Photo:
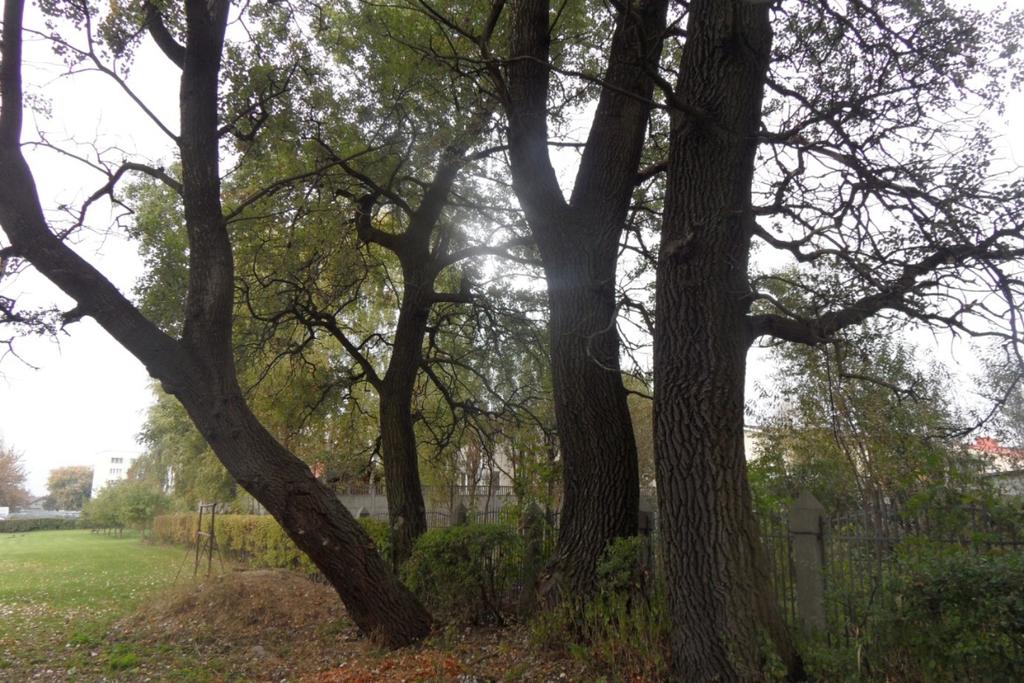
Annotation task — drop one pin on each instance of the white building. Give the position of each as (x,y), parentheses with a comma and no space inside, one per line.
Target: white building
(110,466)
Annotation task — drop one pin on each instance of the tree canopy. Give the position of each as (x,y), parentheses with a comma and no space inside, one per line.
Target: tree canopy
(343,175)
(69,487)
(12,478)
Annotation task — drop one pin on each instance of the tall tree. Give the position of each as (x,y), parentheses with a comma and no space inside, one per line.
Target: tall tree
(198,368)
(12,478)
(849,156)
(69,487)
(579,240)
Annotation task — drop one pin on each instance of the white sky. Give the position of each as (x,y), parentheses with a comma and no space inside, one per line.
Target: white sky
(88,396)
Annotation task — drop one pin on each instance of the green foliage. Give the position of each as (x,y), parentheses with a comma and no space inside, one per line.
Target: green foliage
(623,566)
(128,503)
(69,487)
(622,631)
(945,616)
(955,618)
(380,534)
(12,478)
(14,526)
(466,572)
(856,422)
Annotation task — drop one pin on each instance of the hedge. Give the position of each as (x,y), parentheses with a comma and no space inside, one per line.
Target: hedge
(12,526)
(467,573)
(258,539)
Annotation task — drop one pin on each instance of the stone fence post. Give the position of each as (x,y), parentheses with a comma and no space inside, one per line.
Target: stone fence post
(533,557)
(805,529)
(645,529)
(461,515)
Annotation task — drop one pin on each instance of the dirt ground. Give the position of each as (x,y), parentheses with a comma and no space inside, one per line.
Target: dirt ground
(275,625)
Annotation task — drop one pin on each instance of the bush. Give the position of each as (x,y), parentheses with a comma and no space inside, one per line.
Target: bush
(943,617)
(953,618)
(128,503)
(176,529)
(467,573)
(13,526)
(622,631)
(380,534)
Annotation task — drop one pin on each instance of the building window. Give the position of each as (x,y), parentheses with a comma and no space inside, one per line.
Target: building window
(116,461)
(115,471)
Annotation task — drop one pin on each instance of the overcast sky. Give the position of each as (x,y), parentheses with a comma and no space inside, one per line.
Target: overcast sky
(88,397)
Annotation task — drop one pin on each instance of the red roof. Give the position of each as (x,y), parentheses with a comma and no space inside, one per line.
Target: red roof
(988,445)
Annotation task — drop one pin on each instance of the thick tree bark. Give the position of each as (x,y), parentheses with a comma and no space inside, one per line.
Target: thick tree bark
(601,487)
(722,608)
(199,369)
(579,242)
(406,510)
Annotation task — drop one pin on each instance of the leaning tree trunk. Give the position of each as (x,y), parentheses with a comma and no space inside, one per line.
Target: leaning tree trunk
(722,608)
(311,515)
(600,472)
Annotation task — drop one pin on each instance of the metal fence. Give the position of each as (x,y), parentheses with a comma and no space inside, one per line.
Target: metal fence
(866,551)
(829,571)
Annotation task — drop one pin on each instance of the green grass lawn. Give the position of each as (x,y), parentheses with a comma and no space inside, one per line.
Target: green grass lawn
(61,590)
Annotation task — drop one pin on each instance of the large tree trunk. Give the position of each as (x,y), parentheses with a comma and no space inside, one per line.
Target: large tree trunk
(406,510)
(600,471)
(721,604)
(578,242)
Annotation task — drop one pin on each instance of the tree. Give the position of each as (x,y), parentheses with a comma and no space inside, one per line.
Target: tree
(354,259)
(128,503)
(579,239)
(857,423)
(198,366)
(70,487)
(1003,385)
(834,123)
(12,478)
(178,459)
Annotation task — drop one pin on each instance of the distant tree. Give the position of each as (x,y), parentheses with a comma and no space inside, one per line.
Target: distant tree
(69,487)
(1003,383)
(128,503)
(857,423)
(12,478)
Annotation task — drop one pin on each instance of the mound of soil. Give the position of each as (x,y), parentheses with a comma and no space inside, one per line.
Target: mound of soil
(275,625)
(258,606)
(263,624)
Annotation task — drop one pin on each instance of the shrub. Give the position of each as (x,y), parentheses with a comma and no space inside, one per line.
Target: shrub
(467,573)
(176,529)
(943,617)
(12,526)
(380,534)
(128,503)
(621,632)
(952,618)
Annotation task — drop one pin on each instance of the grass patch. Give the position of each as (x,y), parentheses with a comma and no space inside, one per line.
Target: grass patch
(60,591)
